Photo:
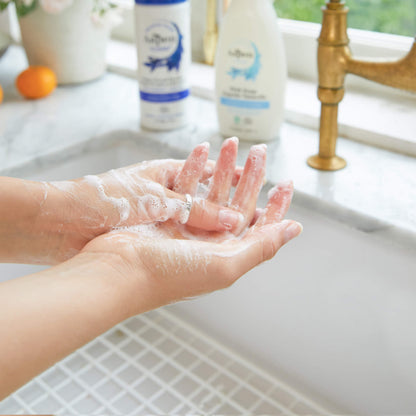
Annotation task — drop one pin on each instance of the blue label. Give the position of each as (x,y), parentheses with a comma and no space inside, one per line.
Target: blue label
(249,73)
(256,105)
(164,98)
(159,2)
(157,41)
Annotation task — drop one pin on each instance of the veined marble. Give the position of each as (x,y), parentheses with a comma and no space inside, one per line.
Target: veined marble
(375,193)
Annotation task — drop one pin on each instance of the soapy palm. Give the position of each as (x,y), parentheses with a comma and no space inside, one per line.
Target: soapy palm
(169,261)
(143,193)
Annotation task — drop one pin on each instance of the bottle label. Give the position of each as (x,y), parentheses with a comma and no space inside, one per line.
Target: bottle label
(252,104)
(243,67)
(164,98)
(163,49)
(245,61)
(163,40)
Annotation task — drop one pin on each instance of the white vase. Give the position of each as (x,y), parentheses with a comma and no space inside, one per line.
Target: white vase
(69,43)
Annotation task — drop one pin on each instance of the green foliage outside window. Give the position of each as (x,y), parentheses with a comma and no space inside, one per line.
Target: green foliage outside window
(389,16)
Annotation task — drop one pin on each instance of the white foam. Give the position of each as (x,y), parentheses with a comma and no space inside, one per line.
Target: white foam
(121,204)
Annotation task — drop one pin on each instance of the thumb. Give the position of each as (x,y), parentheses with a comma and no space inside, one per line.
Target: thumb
(261,244)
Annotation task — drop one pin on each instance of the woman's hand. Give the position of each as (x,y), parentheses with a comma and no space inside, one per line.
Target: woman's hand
(49,222)
(136,267)
(145,193)
(166,262)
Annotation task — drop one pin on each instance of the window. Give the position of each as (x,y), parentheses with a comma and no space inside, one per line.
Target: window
(300,27)
(389,16)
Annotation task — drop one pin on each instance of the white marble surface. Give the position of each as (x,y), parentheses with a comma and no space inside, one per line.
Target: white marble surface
(376,193)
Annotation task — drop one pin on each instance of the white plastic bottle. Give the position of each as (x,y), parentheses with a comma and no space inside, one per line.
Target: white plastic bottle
(251,72)
(164,58)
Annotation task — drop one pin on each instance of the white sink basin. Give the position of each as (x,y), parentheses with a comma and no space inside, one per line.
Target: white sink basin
(333,315)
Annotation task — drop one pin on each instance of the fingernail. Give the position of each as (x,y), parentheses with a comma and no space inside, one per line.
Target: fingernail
(292,231)
(285,184)
(233,139)
(257,147)
(230,219)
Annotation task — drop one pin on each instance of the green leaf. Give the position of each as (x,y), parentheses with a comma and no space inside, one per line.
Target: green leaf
(22,9)
(3,5)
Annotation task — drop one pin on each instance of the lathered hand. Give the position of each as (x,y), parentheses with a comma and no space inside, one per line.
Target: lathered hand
(132,268)
(166,262)
(49,222)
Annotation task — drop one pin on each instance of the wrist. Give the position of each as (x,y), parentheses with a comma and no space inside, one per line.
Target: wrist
(58,224)
(87,213)
(122,265)
(102,280)
(23,229)
(72,215)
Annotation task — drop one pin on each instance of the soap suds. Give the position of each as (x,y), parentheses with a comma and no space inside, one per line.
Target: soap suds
(121,204)
(146,204)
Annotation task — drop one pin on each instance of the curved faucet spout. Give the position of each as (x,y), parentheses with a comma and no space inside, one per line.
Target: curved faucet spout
(335,61)
(399,74)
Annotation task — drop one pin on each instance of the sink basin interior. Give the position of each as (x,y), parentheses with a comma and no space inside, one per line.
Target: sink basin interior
(330,315)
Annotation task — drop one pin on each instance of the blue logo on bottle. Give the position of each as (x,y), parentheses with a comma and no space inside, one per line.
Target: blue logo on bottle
(163,38)
(240,57)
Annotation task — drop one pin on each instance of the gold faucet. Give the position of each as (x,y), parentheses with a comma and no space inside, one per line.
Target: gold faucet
(211,29)
(334,62)
(211,32)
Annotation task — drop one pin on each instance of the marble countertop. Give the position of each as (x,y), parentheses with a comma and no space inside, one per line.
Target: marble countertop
(375,193)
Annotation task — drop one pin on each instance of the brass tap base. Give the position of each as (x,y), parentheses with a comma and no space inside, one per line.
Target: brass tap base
(210,46)
(327,163)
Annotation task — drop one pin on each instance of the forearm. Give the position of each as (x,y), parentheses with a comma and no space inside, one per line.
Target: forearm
(20,206)
(47,315)
(39,223)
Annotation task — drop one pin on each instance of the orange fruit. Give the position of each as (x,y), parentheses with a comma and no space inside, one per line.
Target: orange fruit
(1,94)
(36,82)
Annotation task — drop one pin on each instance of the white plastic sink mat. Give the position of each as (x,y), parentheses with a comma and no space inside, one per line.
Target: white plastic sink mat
(333,314)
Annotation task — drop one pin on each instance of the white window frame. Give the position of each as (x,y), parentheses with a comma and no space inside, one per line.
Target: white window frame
(396,109)
(300,40)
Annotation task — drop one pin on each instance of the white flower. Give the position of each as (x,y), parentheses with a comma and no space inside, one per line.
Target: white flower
(105,15)
(55,6)
(28,3)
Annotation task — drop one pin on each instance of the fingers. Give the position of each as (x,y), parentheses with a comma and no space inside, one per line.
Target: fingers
(280,198)
(209,171)
(237,175)
(193,169)
(203,214)
(251,181)
(224,172)
(264,242)
(208,216)
(257,214)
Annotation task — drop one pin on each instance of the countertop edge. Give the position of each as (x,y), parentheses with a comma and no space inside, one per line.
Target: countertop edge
(378,228)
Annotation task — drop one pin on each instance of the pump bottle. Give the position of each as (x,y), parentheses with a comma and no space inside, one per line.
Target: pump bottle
(251,72)
(164,58)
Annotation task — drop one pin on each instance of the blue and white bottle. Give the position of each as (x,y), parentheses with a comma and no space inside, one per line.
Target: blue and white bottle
(164,58)
(250,72)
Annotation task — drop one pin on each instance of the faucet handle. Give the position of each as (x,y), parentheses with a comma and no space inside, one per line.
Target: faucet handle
(335,4)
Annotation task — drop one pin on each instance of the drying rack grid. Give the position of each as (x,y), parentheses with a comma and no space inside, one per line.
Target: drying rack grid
(156,363)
